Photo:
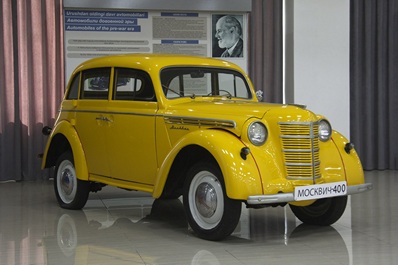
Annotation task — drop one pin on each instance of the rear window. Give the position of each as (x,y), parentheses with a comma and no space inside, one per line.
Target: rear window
(74,88)
(95,83)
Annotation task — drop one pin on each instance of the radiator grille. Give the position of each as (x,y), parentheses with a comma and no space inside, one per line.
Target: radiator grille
(300,146)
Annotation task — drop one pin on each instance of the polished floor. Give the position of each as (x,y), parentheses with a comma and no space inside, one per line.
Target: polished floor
(121,227)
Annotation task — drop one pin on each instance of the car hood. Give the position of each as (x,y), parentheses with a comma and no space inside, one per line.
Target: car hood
(236,112)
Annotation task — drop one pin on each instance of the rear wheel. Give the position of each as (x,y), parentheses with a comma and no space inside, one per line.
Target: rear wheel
(211,214)
(71,192)
(321,212)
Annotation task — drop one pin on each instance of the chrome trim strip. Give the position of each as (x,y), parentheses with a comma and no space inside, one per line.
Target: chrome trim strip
(299,150)
(113,112)
(301,136)
(304,178)
(359,188)
(303,164)
(267,199)
(314,164)
(299,122)
(183,120)
(289,197)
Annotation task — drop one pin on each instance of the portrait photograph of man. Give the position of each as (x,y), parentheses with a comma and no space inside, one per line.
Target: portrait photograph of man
(228,36)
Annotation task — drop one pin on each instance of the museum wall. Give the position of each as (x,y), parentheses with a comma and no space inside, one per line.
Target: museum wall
(320,56)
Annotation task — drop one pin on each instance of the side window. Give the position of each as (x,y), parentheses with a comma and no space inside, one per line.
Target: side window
(131,84)
(73,92)
(95,83)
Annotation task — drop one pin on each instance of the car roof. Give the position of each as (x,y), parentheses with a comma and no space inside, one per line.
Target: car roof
(151,61)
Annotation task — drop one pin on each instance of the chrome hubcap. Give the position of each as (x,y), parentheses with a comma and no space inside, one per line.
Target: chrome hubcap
(206,199)
(67,181)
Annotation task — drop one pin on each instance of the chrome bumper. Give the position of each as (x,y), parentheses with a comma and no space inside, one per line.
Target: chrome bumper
(289,197)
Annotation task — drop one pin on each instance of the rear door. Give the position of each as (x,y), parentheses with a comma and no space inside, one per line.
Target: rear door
(90,118)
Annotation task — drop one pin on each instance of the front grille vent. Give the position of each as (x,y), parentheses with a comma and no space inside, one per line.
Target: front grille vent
(300,147)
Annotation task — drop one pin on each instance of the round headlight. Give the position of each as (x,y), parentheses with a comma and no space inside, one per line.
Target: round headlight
(257,133)
(325,130)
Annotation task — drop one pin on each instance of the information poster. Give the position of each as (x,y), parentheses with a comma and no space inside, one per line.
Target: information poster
(94,33)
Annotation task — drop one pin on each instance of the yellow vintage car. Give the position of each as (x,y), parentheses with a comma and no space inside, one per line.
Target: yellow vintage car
(191,126)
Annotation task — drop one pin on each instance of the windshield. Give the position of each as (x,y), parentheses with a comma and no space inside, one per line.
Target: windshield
(201,81)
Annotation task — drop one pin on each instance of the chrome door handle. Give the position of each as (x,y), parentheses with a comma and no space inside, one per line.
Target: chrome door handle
(107,119)
(102,118)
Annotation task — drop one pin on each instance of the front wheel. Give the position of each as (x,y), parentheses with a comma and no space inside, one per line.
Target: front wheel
(71,192)
(210,213)
(321,212)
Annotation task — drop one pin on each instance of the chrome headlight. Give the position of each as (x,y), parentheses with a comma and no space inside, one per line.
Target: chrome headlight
(257,133)
(325,130)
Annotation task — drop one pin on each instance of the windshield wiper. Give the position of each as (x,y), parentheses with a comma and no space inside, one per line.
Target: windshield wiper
(178,93)
(175,92)
(227,94)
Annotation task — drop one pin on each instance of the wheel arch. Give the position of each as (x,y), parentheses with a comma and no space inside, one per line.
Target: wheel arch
(58,145)
(63,138)
(185,159)
(241,176)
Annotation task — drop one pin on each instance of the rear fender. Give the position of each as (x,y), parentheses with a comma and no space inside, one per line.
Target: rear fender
(65,130)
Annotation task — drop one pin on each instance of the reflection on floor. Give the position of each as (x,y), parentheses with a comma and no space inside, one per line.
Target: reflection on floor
(120,227)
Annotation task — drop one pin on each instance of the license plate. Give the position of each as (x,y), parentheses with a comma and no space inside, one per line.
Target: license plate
(319,191)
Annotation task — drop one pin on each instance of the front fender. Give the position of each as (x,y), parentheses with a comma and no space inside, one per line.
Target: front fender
(351,162)
(68,132)
(241,176)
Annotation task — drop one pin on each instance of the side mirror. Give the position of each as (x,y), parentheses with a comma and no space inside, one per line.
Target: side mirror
(259,94)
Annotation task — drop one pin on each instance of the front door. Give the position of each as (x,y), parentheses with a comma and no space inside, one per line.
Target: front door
(131,142)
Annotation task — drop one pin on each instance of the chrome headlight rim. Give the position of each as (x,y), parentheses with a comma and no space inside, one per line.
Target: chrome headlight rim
(324,130)
(257,133)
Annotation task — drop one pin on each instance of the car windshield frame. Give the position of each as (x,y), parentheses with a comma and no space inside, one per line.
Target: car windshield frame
(201,81)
